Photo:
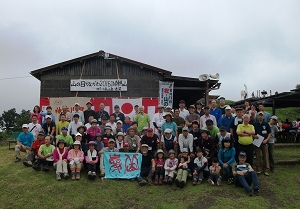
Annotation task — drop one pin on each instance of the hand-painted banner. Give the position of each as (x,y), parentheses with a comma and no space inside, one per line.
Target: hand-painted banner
(123,165)
(166,93)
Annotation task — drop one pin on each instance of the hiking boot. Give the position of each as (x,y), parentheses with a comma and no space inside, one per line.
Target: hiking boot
(166,179)
(89,173)
(58,177)
(93,173)
(219,182)
(156,181)
(36,167)
(77,175)
(170,181)
(258,172)
(73,175)
(102,174)
(143,183)
(210,182)
(27,163)
(46,168)
(181,184)
(177,182)
(17,159)
(250,193)
(267,174)
(256,192)
(199,182)
(66,176)
(194,182)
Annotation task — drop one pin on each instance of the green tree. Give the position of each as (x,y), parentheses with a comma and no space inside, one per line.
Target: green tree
(298,86)
(9,117)
(23,117)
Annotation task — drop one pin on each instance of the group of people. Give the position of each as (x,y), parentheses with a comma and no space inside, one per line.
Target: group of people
(201,142)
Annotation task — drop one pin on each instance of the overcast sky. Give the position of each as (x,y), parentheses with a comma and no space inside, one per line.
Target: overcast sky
(254,43)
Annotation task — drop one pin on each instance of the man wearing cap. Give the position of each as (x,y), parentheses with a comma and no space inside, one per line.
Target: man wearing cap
(133,140)
(158,119)
(191,117)
(64,136)
(35,148)
(73,125)
(48,112)
(145,166)
(267,116)
(245,132)
(199,106)
(207,116)
(88,111)
(77,111)
(213,130)
(169,123)
(215,111)
(61,123)
(245,175)
(262,128)
(222,105)
(142,119)
(118,114)
(99,115)
(136,111)
(272,140)
(118,129)
(34,127)
(227,118)
(169,141)
(110,148)
(179,121)
(24,144)
(49,129)
(186,140)
(183,112)
(238,119)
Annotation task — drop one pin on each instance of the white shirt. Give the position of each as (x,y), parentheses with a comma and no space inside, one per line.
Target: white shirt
(34,129)
(183,113)
(80,113)
(158,118)
(186,142)
(112,125)
(204,118)
(73,127)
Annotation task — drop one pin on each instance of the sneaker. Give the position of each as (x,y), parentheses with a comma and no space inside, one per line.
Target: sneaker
(250,193)
(89,173)
(181,184)
(160,181)
(66,176)
(27,163)
(143,183)
(199,182)
(210,182)
(256,192)
(156,181)
(177,182)
(267,174)
(194,182)
(149,179)
(77,175)
(58,177)
(170,181)
(230,181)
(17,160)
(36,167)
(102,174)
(165,179)
(46,168)
(258,172)
(94,173)
(73,175)
(219,182)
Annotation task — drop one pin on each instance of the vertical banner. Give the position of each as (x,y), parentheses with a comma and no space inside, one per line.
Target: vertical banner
(166,93)
(122,165)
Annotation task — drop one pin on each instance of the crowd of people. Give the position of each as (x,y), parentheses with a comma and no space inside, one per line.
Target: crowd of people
(213,143)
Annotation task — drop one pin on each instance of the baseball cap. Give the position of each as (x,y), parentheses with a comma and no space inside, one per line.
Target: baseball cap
(48,116)
(145,128)
(160,106)
(41,133)
(168,107)
(116,106)
(195,122)
(64,128)
(222,98)
(145,145)
(209,122)
(274,117)
(119,121)
(181,101)
(185,150)
(260,113)
(227,107)
(149,129)
(243,154)
(111,140)
(89,103)
(78,134)
(222,128)
(185,129)
(168,131)
(76,104)
(25,126)
(206,107)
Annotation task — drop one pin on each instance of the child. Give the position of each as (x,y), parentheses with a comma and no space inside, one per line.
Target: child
(45,155)
(200,168)
(75,157)
(184,163)
(214,173)
(158,167)
(183,170)
(226,157)
(91,159)
(60,155)
(170,166)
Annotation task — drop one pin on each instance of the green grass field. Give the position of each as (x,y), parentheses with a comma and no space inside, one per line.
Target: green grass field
(23,187)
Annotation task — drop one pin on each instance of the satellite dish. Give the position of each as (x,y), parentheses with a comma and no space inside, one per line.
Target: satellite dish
(203,77)
(216,76)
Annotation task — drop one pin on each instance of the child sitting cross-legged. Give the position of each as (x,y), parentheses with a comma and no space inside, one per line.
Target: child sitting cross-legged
(158,167)
(91,159)
(200,168)
(60,155)
(75,157)
(214,173)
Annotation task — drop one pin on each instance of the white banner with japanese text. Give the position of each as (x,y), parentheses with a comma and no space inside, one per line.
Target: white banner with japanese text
(98,85)
(166,93)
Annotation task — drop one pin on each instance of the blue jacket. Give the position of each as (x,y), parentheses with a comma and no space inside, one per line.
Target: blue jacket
(226,154)
(217,113)
(226,122)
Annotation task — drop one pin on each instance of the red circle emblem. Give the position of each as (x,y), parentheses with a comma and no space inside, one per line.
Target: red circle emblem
(127,108)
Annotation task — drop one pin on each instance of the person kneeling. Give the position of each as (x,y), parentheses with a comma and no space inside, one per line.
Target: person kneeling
(45,155)
(91,159)
(60,155)
(75,157)
(245,175)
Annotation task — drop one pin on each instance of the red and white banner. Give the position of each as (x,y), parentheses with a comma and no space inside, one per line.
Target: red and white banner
(126,105)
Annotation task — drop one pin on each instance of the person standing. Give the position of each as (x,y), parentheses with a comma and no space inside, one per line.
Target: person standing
(272,140)
(77,111)
(191,117)
(118,115)
(222,105)
(215,111)
(158,119)
(206,117)
(142,119)
(199,106)
(88,112)
(267,116)
(183,112)
(99,115)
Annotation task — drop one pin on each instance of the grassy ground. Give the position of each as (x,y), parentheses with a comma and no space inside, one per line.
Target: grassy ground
(23,187)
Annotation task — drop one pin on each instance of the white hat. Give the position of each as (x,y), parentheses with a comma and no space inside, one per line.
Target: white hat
(274,117)
(168,107)
(119,121)
(168,130)
(227,107)
(25,126)
(160,106)
(120,134)
(48,116)
(77,143)
(78,134)
(76,104)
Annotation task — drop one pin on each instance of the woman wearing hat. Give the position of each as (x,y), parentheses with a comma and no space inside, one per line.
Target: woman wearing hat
(170,124)
(158,170)
(60,155)
(75,157)
(91,159)
(120,141)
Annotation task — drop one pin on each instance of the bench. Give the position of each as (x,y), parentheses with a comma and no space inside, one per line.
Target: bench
(13,139)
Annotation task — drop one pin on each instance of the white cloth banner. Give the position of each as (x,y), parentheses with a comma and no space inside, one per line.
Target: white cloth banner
(127,105)
(166,93)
